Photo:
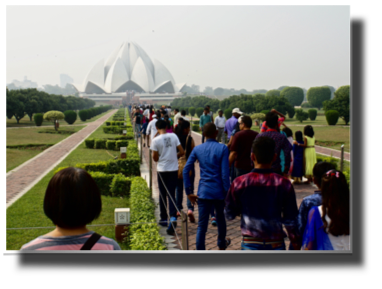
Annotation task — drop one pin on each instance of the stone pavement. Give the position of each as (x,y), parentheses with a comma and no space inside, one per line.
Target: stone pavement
(22,178)
(233,227)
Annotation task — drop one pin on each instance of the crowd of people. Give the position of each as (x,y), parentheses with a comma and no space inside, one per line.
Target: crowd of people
(248,174)
(243,173)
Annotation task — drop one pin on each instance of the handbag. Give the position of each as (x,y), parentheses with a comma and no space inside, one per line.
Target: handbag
(182,162)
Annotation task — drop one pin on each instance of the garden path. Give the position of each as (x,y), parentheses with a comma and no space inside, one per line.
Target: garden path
(25,176)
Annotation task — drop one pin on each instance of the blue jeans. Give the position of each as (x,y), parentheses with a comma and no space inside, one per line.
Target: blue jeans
(179,193)
(205,207)
(138,129)
(168,179)
(246,246)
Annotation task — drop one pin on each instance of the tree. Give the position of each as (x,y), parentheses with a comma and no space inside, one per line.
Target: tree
(273,92)
(208,90)
(295,95)
(282,87)
(199,111)
(53,116)
(218,91)
(340,103)
(317,95)
(279,103)
(15,105)
(191,110)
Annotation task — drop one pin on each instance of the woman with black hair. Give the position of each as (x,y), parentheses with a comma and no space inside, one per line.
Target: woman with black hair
(188,144)
(298,158)
(310,158)
(328,226)
(168,124)
(72,200)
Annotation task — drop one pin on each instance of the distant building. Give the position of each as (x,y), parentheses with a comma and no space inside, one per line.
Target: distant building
(129,70)
(65,79)
(24,84)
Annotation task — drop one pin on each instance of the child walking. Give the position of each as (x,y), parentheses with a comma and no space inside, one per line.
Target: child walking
(298,158)
(328,226)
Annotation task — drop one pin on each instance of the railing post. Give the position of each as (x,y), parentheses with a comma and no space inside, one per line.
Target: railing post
(151,171)
(342,157)
(184,231)
(141,148)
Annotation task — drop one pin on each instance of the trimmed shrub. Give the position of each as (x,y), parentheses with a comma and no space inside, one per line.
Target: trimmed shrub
(128,167)
(120,186)
(83,114)
(70,116)
(228,113)
(195,122)
(259,116)
(107,123)
(199,111)
(89,143)
(291,112)
(100,143)
(317,95)
(312,114)
(113,129)
(143,236)
(103,181)
(301,115)
(110,145)
(332,117)
(38,118)
(331,160)
(191,111)
(306,105)
(195,128)
(295,95)
(264,111)
(121,143)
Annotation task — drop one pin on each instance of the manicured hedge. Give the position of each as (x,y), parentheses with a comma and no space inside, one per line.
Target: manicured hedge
(89,143)
(100,143)
(110,144)
(331,160)
(128,167)
(120,186)
(118,123)
(83,114)
(70,116)
(143,236)
(332,117)
(38,118)
(312,114)
(121,144)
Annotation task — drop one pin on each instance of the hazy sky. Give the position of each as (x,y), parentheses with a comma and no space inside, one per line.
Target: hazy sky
(249,47)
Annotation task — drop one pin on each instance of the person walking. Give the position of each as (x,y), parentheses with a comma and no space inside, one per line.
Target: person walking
(220,124)
(164,149)
(151,129)
(241,147)
(188,144)
(213,185)
(265,201)
(281,141)
(231,122)
(138,120)
(204,118)
(210,113)
(177,115)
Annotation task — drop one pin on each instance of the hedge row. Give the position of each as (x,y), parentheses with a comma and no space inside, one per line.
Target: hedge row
(86,114)
(105,144)
(143,236)
(118,123)
(116,129)
(113,185)
(128,167)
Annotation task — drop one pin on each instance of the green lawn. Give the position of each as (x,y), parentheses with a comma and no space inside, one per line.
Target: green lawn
(25,122)
(31,136)
(28,210)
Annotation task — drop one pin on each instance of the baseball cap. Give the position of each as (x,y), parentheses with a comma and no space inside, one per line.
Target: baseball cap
(154,115)
(237,110)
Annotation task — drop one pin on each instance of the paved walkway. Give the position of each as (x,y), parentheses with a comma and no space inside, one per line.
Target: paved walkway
(233,227)
(24,177)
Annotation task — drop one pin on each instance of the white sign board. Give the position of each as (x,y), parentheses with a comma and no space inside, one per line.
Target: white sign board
(124,131)
(122,216)
(123,150)
(125,123)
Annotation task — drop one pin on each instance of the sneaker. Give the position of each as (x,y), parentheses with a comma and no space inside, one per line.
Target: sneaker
(213,221)
(227,243)
(171,226)
(163,223)
(191,217)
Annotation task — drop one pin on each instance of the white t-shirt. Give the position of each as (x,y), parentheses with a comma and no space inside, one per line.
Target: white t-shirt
(220,122)
(165,145)
(146,112)
(151,129)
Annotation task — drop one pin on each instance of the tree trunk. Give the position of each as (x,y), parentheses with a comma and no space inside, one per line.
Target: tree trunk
(55,125)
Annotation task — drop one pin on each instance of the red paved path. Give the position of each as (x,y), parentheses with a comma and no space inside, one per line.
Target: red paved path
(19,180)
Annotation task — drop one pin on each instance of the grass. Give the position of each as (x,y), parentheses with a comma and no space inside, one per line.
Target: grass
(25,122)
(31,135)
(28,210)
(16,157)
(346,163)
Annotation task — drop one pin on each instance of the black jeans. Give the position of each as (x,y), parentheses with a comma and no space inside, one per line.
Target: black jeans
(169,180)
(202,136)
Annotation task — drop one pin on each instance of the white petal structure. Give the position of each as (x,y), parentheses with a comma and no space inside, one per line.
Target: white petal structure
(129,68)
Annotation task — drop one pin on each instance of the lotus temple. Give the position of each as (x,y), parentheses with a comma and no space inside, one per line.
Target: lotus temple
(129,74)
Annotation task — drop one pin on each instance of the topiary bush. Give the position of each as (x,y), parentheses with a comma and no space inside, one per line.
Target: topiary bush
(331,160)
(100,143)
(83,114)
(38,119)
(291,112)
(103,181)
(191,111)
(110,144)
(259,116)
(195,127)
(53,116)
(301,115)
(121,144)
(312,114)
(199,111)
(70,116)
(120,186)
(89,143)
(228,113)
(332,117)
(306,105)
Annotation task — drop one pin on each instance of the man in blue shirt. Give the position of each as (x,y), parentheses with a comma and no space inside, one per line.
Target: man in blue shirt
(213,185)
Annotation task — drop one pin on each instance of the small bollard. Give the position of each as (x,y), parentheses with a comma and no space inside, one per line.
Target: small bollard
(122,221)
(123,152)
(342,157)
(124,132)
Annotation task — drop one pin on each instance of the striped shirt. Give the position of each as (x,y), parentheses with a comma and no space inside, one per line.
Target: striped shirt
(69,243)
